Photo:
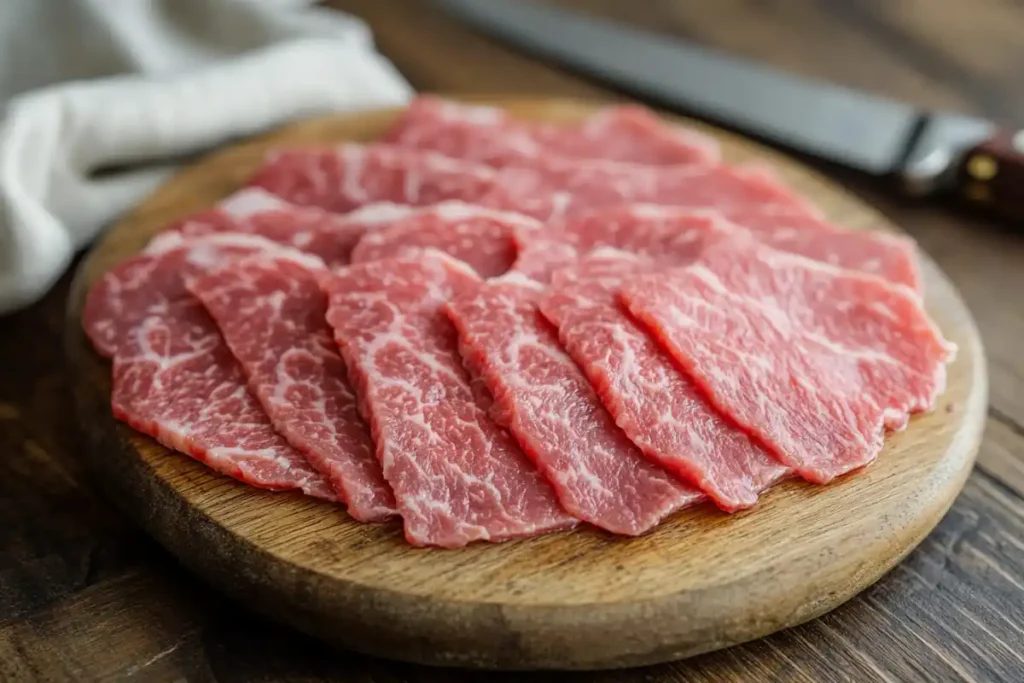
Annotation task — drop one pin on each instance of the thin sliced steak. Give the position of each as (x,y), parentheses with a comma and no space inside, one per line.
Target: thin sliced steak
(176,380)
(327,235)
(483,238)
(667,235)
(271,312)
(893,257)
(151,281)
(491,136)
(629,133)
(665,232)
(884,324)
(483,134)
(457,476)
(344,178)
(752,327)
(547,403)
(560,188)
(655,403)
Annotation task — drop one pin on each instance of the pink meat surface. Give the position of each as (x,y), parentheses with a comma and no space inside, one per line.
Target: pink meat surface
(462,131)
(344,178)
(900,345)
(557,188)
(656,404)
(271,312)
(629,133)
(667,235)
(547,403)
(491,136)
(175,379)
(151,281)
(811,359)
(893,257)
(327,235)
(457,476)
(483,238)
(668,232)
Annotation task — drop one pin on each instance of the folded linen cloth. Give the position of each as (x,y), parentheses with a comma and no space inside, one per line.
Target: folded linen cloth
(88,85)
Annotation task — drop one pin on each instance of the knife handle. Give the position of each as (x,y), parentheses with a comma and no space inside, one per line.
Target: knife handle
(991,174)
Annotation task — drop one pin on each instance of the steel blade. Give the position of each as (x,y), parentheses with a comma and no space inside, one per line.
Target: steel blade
(869,133)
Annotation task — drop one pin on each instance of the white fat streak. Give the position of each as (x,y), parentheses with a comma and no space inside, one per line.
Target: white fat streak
(450,262)
(436,160)
(612,253)
(354,157)
(455,210)
(203,251)
(647,211)
(560,203)
(479,115)
(694,138)
(164,242)
(310,262)
(379,212)
(518,280)
(250,201)
(232,239)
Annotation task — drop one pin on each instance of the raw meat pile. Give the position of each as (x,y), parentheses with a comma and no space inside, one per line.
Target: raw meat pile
(494,328)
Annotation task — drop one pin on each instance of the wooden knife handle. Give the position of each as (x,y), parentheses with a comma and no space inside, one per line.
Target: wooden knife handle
(991,174)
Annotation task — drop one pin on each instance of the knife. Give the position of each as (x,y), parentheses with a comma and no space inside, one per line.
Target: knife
(929,153)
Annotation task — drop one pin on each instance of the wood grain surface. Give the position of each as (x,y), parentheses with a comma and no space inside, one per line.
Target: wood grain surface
(86,596)
(573,600)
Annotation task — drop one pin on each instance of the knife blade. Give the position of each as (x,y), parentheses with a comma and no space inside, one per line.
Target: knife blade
(928,152)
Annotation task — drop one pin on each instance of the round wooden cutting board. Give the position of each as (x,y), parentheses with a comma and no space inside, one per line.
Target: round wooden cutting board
(573,600)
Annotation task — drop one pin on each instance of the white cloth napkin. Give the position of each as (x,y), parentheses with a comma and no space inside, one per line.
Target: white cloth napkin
(93,84)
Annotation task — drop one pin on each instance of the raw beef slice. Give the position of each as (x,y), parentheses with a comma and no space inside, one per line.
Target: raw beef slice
(629,133)
(475,133)
(151,281)
(457,476)
(308,228)
(771,340)
(547,403)
(558,188)
(174,377)
(657,405)
(491,136)
(667,235)
(344,178)
(666,232)
(893,257)
(271,312)
(483,238)
(903,350)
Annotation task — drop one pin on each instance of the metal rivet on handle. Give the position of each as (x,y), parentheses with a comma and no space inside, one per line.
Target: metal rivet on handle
(982,167)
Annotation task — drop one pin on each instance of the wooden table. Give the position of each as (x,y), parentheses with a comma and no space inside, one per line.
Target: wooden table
(86,596)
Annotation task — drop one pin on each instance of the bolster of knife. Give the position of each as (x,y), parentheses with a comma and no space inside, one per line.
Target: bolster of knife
(991,174)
